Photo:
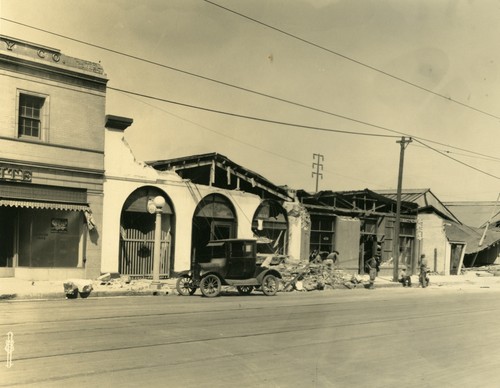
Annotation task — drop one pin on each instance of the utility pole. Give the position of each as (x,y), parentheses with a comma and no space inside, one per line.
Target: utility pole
(395,253)
(319,166)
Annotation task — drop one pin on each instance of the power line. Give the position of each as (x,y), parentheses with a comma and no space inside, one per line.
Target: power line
(293,125)
(250,117)
(488,158)
(353,60)
(237,87)
(242,142)
(456,160)
(217,132)
(196,75)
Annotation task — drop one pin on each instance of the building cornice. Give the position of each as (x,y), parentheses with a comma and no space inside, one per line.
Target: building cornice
(29,63)
(79,170)
(118,122)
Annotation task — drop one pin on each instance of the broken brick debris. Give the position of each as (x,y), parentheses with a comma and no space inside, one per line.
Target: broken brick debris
(315,276)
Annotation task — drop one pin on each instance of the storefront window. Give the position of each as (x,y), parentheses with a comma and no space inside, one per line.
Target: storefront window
(49,238)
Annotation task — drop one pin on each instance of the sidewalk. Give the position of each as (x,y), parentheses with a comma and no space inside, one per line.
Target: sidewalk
(16,289)
(469,280)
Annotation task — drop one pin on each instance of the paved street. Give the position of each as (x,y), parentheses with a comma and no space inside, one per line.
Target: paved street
(380,338)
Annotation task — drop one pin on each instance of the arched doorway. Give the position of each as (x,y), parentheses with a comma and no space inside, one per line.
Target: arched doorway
(137,235)
(214,219)
(270,226)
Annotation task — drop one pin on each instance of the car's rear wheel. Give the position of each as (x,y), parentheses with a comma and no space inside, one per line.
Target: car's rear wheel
(270,285)
(210,286)
(244,290)
(185,286)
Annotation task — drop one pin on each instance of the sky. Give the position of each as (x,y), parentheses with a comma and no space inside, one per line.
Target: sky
(338,78)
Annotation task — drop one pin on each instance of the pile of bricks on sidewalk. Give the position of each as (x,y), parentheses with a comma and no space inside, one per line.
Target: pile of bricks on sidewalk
(316,276)
(108,281)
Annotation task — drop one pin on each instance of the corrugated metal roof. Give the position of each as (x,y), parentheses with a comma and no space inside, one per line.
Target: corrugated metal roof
(423,197)
(471,236)
(475,213)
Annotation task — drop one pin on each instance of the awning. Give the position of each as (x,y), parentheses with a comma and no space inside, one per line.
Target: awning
(44,205)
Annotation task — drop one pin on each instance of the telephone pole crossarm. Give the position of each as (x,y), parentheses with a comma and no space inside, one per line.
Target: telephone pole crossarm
(318,166)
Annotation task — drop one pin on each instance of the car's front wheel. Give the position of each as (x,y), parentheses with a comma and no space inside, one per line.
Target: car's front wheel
(210,286)
(244,290)
(270,285)
(185,285)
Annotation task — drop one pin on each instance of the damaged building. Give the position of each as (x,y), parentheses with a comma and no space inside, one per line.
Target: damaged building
(206,197)
(448,243)
(359,224)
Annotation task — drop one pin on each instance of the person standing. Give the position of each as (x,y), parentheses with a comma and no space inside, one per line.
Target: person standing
(423,277)
(372,266)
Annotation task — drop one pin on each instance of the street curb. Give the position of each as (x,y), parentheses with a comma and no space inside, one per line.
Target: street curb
(93,294)
(53,295)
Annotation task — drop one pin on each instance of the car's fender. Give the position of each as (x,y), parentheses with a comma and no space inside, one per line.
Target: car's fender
(187,272)
(270,271)
(204,273)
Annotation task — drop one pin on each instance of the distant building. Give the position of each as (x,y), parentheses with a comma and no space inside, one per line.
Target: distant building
(446,238)
(359,224)
(51,162)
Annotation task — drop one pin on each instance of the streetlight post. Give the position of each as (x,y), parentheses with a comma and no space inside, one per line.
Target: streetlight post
(159,203)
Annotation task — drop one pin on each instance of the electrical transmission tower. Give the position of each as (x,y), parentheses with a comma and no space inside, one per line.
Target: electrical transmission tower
(318,166)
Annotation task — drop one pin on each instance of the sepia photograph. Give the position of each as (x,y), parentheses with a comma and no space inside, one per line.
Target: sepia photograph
(249,193)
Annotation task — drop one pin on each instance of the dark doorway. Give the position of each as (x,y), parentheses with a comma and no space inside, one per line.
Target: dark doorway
(214,219)
(8,215)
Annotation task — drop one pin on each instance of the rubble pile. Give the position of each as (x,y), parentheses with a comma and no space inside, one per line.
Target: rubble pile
(316,276)
(75,287)
(486,270)
(108,281)
(117,281)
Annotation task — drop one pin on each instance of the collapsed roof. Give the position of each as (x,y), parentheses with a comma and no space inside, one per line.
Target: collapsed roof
(359,202)
(472,236)
(217,170)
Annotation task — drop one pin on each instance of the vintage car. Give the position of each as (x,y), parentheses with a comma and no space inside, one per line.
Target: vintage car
(230,262)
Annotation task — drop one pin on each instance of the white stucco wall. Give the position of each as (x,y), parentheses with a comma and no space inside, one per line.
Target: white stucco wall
(124,175)
(434,243)
(298,231)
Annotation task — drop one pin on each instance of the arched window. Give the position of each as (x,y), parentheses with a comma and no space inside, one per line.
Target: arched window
(137,234)
(214,219)
(270,226)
